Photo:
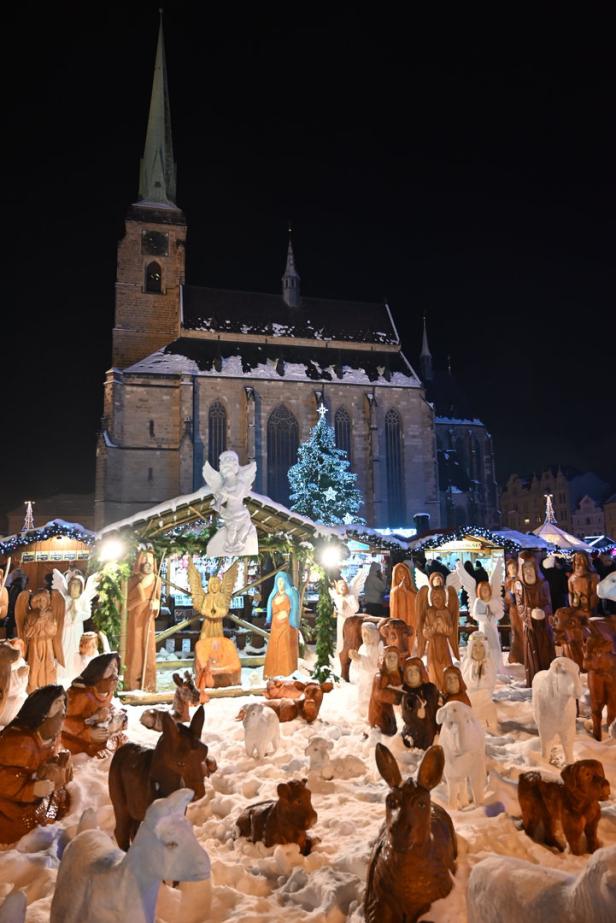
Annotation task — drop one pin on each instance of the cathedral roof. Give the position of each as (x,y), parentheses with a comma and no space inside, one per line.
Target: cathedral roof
(228,359)
(260,313)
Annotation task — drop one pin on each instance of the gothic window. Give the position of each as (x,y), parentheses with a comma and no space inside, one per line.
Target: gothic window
(150,474)
(282,441)
(396,505)
(216,432)
(153,278)
(152,433)
(342,424)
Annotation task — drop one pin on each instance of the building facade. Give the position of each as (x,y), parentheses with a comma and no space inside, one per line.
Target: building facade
(198,370)
(523,498)
(588,518)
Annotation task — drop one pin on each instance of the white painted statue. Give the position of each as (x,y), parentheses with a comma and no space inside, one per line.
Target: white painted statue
(261,729)
(554,695)
(606,588)
(13,679)
(345,597)
(485,603)
(364,664)
(230,486)
(77,593)
(463,739)
(326,767)
(98,882)
(479,674)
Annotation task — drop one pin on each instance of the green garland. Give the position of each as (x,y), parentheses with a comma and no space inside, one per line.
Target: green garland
(107,613)
(325,631)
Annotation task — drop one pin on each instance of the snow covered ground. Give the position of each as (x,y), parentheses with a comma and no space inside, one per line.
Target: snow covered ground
(251,883)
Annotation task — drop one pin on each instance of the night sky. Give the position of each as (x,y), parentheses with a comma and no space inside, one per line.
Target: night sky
(471,175)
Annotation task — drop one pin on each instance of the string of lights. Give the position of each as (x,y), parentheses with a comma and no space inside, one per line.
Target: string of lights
(53,529)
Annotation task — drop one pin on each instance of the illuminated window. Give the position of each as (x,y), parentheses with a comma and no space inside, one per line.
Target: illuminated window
(216,432)
(343,430)
(396,505)
(282,442)
(153,278)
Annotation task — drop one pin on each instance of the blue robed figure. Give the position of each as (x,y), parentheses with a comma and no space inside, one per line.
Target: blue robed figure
(283,619)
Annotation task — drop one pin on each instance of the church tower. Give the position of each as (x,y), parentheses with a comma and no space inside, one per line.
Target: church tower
(425,356)
(151,255)
(291,292)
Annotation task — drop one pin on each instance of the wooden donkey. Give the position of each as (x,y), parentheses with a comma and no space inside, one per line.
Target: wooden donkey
(138,775)
(186,694)
(414,857)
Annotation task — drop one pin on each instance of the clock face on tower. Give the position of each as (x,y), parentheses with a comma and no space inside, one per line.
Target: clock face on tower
(155,243)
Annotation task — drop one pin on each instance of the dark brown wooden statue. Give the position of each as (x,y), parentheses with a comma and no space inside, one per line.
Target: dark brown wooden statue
(454,687)
(419,705)
(534,605)
(34,769)
(186,695)
(582,585)
(386,692)
(516,645)
(573,807)
(138,775)
(600,661)
(397,633)
(93,725)
(143,603)
(414,857)
(569,626)
(307,706)
(283,821)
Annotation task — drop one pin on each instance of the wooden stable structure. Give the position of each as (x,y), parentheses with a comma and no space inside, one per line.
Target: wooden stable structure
(37,552)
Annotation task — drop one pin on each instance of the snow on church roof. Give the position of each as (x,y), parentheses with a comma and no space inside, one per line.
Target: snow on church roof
(269,315)
(228,359)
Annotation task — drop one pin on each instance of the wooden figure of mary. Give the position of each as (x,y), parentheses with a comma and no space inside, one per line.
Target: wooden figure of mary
(283,621)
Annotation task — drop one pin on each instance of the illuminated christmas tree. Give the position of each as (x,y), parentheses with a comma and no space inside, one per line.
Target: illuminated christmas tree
(322,485)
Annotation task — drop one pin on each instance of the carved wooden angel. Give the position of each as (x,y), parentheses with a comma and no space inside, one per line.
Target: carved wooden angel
(77,593)
(39,619)
(217,662)
(230,487)
(485,603)
(345,597)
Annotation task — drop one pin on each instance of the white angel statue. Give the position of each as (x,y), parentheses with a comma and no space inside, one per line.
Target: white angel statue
(345,597)
(230,486)
(485,603)
(77,594)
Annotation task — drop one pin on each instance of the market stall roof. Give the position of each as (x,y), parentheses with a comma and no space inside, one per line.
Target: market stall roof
(600,542)
(269,517)
(503,538)
(51,529)
(552,533)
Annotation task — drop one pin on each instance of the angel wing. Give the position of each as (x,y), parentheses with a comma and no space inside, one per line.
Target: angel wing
(228,581)
(357,583)
(22,604)
(467,583)
(59,582)
(57,607)
(196,587)
(497,603)
(420,579)
(454,608)
(247,474)
(212,478)
(91,589)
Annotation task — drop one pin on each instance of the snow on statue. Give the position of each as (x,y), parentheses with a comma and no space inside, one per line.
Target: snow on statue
(230,486)
(485,603)
(77,594)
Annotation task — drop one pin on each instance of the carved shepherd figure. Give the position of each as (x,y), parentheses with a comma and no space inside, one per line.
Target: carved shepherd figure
(573,807)
(414,857)
(403,596)
(419,705)
(217,661)
(516,645)
(93,725)
(39,621)
(440,635)
(386,692)
(534,605)
(143,604)
(138,775)
(600,661)
(582,585)
(569,624)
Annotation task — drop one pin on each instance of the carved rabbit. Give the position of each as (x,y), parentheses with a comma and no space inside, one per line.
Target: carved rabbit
(414,857)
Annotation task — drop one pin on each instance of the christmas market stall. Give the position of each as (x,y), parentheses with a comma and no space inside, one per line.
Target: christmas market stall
(57,545)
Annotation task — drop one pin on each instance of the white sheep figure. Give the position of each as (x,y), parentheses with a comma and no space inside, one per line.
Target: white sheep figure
(506,890)
(462,738)
(340,767)
(261,729)
(554,694)
(479,673)
(98,882)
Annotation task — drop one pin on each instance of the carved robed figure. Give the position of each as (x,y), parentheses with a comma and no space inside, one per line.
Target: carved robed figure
(283,619)
(143,605)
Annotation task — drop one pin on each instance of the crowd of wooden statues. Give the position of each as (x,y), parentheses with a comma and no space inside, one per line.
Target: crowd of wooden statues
(403,669)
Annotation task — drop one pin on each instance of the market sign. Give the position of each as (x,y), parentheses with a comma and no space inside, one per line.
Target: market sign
(29,556)
(464,544)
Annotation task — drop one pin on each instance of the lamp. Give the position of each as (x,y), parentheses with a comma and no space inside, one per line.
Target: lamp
(111,549)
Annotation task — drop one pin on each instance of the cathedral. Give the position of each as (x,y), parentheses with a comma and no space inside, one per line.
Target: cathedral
(198,370)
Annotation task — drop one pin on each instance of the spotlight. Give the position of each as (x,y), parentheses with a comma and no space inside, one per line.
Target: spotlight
(330,556)
(111,549)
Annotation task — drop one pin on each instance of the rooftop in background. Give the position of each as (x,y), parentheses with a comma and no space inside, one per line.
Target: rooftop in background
(72,508)
(226,311)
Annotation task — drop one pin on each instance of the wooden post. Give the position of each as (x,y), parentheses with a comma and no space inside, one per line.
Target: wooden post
(123,624)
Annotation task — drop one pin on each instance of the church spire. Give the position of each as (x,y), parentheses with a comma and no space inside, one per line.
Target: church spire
(425,356)
(291,279)
(157,176)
